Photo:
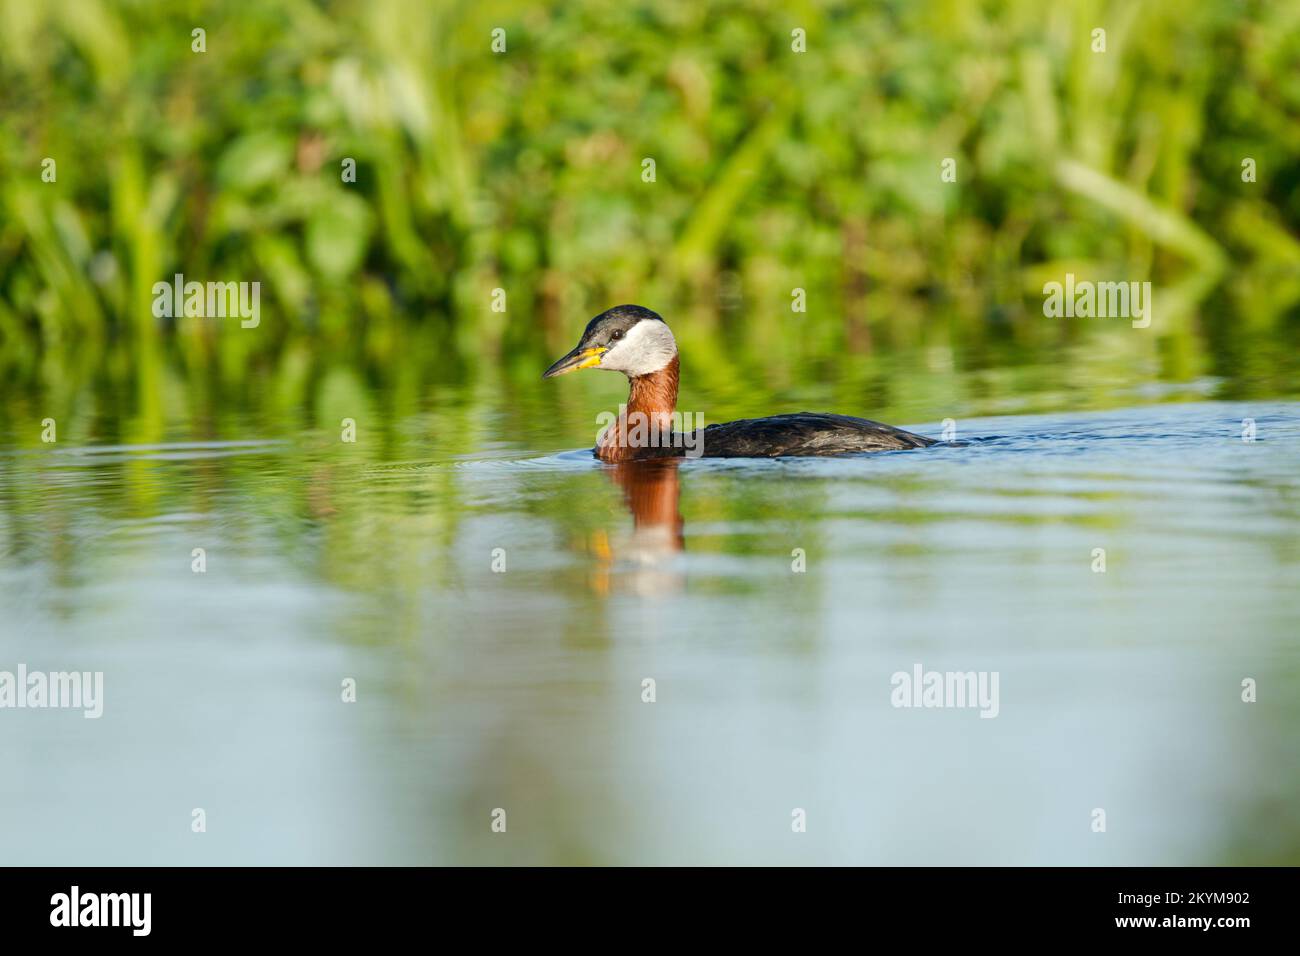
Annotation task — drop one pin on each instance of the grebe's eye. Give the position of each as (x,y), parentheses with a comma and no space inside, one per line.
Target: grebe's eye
(616,334)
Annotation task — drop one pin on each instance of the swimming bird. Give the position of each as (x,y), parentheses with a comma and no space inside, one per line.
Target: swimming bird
(637,342)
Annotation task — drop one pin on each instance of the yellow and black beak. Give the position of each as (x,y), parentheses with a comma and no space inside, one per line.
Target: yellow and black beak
(578,358)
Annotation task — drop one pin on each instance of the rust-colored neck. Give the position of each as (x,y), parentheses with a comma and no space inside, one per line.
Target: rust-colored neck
(655,394)
(648,422)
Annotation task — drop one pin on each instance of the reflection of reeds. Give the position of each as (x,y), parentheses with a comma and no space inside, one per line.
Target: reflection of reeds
(817,170)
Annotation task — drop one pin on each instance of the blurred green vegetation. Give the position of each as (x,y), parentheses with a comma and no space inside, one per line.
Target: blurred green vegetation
(521,170)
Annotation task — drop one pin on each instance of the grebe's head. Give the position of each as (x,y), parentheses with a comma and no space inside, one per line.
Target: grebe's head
(627,338)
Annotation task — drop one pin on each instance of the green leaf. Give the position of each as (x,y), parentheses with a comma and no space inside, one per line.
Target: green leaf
(254,160)
(338,234)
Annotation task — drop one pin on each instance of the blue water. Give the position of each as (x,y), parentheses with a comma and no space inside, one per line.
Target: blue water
(521,688)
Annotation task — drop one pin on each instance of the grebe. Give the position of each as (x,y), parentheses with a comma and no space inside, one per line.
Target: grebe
(637,342)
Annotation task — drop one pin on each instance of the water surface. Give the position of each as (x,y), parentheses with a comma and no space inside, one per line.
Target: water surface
(500,600)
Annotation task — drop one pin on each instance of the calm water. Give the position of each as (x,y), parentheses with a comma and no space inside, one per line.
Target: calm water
(480,688)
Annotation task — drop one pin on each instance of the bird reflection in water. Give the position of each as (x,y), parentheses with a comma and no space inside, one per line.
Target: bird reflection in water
(644,561)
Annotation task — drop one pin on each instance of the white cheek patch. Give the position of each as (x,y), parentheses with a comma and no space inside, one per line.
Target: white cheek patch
(647,347)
